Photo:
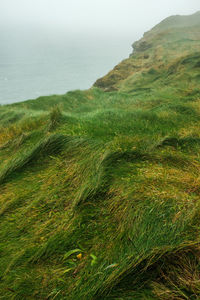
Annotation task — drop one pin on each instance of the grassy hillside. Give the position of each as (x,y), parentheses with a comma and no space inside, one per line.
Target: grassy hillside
(100,188)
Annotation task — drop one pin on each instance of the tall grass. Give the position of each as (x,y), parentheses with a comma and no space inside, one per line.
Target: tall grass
(53,144)
(99,191)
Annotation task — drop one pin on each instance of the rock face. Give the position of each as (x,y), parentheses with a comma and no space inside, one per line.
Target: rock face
(156,46)
(140,46)
(118,74)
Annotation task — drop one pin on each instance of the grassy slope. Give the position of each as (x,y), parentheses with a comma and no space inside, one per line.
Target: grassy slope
(112,175)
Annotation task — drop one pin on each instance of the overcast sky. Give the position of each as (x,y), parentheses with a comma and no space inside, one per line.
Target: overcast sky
(96,16)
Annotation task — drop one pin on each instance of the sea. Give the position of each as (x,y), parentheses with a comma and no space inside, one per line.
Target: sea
(34,64)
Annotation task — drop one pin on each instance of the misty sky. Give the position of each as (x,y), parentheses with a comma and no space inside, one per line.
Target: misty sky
(115,17)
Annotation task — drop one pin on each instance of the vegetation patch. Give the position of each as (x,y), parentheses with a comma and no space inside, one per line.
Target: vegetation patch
(99,189)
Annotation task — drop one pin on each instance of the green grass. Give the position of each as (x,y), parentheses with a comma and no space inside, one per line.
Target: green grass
(113,176)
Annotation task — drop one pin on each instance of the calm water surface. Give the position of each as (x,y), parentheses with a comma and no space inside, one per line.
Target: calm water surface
(33,65)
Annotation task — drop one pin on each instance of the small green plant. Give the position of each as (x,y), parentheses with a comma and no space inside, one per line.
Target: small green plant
(94,259)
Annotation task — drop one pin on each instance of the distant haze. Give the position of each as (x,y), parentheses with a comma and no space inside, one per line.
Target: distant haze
(53,46)
(116,17)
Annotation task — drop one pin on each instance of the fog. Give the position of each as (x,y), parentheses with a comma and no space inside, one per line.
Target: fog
(53,46)
(106,17)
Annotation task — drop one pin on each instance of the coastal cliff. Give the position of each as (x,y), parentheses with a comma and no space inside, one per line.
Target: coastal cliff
(100,189)
(157,49)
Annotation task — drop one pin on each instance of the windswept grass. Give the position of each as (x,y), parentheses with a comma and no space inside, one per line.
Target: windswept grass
(53,144)
(99,191)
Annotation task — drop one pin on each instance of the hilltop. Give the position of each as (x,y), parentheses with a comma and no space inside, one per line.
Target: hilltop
(100,188)
(173,39)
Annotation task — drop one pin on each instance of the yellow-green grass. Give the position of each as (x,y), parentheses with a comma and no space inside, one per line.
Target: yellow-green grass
(99,191)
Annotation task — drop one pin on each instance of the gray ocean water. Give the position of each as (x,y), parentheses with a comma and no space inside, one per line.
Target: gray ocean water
(32,65)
